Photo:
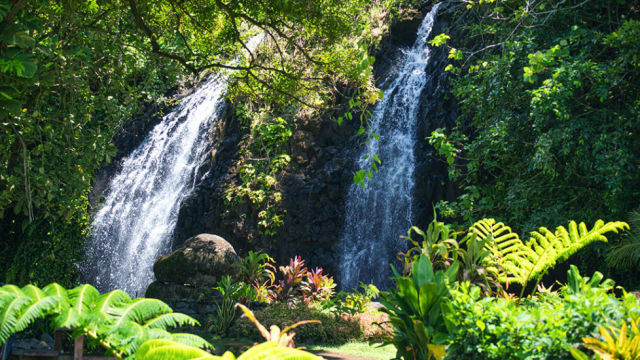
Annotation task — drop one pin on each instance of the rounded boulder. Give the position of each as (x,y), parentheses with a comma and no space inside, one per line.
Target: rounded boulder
(201,261)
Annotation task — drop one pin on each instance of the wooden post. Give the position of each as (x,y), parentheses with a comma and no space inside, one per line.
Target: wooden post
(77,348)
(57,340)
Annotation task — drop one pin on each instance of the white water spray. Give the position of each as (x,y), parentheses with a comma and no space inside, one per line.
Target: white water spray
(134,225)
(377,215)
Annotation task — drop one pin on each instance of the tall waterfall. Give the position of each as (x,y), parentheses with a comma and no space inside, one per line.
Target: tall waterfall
(377,215)
(134,225)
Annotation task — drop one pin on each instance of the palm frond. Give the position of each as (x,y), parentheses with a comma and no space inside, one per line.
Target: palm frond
(170,320)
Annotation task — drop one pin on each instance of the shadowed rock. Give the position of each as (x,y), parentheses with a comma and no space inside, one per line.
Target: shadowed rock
(201,261)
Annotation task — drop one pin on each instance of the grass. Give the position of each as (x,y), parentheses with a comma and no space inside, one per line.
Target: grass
(357,348)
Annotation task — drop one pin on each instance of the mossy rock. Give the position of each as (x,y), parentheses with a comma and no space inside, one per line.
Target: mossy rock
(201,261)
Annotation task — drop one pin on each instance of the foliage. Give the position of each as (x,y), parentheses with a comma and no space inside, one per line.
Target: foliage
(627,252)
(549,123)
(317,286)
(618,344)
(527,262)
(544,328)
(256,267)
(220,322)
(472,255)
(171,350)
(263,159)
(414,309)
(333,329)
(289,287)
(439,244)
(112,320)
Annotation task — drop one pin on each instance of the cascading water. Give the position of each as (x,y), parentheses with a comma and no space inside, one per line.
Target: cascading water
(377,215)
(134,225)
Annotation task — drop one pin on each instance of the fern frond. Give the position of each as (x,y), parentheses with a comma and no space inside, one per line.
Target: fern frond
(54,289)
(82,297)
(546,248)
(503,240)
(627,252)
(126,337)
(100,312)
(192,340)
(140,310)
(171,350)
(38,309)
(10,289)
(10,306)
(172,319)
(33,292)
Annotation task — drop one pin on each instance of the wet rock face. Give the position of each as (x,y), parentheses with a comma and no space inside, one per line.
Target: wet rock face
(315,185)
(201,261)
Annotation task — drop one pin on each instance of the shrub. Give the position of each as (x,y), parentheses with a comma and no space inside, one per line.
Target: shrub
(547,328)
(332,330)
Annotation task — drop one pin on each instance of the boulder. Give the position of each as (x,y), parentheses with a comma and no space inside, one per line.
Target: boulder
(201,261)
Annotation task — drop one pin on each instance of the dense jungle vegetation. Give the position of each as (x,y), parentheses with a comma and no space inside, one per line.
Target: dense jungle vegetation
(550,114)
(548,132)
(72,72)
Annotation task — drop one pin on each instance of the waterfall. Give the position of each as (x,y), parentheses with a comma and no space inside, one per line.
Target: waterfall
(134,225)
(377,215)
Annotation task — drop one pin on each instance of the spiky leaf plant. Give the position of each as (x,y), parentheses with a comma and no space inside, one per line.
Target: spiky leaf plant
(627,252)
(619,343)
(530,261)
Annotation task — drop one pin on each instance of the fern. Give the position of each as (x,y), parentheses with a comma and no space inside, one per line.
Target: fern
(170,320)
(528,262)
(10,305)
(627,252)
(140,310)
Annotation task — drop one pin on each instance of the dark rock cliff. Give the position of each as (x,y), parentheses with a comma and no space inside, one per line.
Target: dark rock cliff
(315,184)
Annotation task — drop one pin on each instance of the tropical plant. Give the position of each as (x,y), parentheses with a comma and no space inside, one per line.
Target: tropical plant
(618,344)
(171,350)
(279,345)
(317,287)
(292,275)
(528,262)
(544,327)
(438,244)
(112,320)
(414,310)
(224,316)
(627,252)
(478,267)
(256,267)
